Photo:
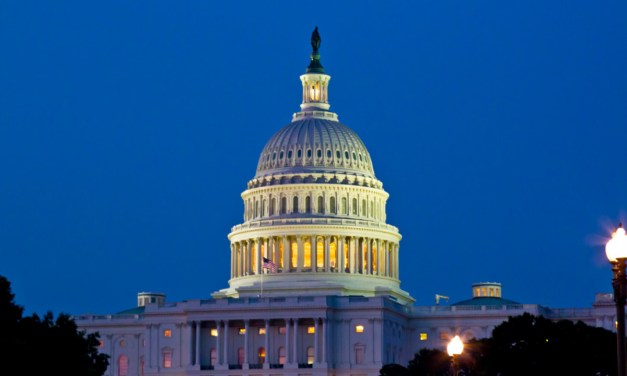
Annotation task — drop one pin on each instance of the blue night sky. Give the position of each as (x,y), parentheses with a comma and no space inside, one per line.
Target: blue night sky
(128,131)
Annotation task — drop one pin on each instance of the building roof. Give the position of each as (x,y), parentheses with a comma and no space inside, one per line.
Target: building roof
(485,301)
(313,145)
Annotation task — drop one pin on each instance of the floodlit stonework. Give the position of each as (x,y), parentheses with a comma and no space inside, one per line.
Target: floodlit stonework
(314,287)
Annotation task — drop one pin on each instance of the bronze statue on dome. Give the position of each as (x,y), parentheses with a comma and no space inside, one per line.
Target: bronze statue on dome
(315,40)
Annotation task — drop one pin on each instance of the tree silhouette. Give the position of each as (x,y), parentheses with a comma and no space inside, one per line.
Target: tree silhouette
(44,345)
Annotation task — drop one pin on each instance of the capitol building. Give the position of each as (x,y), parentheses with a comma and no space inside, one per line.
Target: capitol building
(314,287)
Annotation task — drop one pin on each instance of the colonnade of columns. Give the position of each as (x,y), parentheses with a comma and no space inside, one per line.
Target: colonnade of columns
(315,253)
(290,351)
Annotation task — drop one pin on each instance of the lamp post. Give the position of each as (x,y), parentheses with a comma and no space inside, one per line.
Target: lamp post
(455,348)
(616,251)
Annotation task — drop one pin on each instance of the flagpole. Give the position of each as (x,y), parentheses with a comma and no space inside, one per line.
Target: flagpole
(263,271)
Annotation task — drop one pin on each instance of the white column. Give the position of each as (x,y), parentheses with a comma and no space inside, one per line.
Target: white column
(397,274)
(190,333)
(325,334)
(266,344)
(300,257)
(218,340)
(197,360)
(314,253)
(379,257)
(369,250)
(225,359)
(287,341)
(246,340)
(287,254)
(352,249)
(316,328)
(258,258)
(327,249)
(295,345)
(341,256)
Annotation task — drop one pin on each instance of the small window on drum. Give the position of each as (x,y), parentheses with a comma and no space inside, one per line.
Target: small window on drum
(274,155)
(345,155)
(281,155)
(319,153)
(354,156)
(329,154)
(360,158)
(338,155)
(309,153)
(299,153)
(289,154)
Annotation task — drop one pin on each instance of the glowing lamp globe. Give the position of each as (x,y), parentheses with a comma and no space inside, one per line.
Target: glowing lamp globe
(455,347)
(617,246)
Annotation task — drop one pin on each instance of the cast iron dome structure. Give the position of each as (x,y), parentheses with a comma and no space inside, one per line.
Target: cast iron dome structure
(314,210)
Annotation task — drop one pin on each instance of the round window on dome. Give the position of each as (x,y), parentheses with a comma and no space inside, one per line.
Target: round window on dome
(299,153)
(281,155)
(289,154)
(338,154)
(360,158)
(346,155)
(319,153)
(274,155)
(329,153)
(309,153)
(354,156)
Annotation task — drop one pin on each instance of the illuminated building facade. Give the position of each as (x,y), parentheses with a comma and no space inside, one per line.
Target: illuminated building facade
(314,286)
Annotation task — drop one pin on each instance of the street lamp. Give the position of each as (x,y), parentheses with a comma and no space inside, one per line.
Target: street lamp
(455,348)
(616,251)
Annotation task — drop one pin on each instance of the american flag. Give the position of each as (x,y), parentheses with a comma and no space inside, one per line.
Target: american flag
(268,264)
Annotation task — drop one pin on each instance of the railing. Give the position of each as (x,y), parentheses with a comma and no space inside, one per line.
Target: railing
(313,221)
(305,365)
(235,366)
(255,366)
(276,365)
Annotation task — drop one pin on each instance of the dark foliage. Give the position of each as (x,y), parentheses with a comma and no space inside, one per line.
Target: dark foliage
(526,345)
(45,345)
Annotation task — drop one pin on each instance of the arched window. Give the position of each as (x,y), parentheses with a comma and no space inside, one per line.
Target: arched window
(355,206)
(332,205)
(263,207)
(371,209)
(167,358)
(363,208)
(320,252)
(256,212)
(281,355)
(213,357)
(272,205)
(344,209)
(295,204)
(320,204)
(240,356)
(261,355)
(283,205)
(308,204)
(123,365)
(310,355)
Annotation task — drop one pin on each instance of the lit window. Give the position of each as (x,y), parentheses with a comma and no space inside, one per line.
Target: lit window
(167,333)
(262,331)
(261,355)
(214,332)
(281,355)
(281,330)
(213,356)
(123,365)
(122,343)
(360,354)
(359,328)
(311,330)
(167,359)
(241,331)
(240,356)
(310,355)
(423,336)
(444,336)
